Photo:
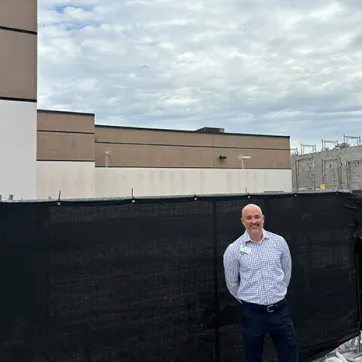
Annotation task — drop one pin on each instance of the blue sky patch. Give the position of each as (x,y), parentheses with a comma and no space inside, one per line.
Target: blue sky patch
(60,8)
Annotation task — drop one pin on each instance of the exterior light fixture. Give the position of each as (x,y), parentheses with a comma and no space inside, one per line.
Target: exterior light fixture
(107,155)
(242,158)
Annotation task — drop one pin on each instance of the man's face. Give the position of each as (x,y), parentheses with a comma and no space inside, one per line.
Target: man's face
(253,220)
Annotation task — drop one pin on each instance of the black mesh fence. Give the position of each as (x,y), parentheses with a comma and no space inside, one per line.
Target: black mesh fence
(119,280)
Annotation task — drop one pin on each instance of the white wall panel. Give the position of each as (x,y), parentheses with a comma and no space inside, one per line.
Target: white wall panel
(73,179)
(18,123)
(119,182)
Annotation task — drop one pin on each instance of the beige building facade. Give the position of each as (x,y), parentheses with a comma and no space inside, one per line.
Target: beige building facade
(18,97)
(77,158)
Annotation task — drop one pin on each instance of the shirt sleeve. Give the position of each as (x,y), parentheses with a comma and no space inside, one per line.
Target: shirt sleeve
(231,269)
(286,262)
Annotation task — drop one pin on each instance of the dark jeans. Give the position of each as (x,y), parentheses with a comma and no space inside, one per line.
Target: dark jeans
(279,325)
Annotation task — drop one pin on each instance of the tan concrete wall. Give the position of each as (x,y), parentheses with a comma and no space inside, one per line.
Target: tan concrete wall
(19,14)
(152,162)
(145,148)
(176,156)
(124,135)
(65,121)
(65,136)
(65,146)
(18,65)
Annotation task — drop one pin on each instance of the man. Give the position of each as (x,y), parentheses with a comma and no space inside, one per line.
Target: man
(257,272)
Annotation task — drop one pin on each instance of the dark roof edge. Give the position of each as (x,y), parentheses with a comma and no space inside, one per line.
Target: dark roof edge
(188,131)
(66,112)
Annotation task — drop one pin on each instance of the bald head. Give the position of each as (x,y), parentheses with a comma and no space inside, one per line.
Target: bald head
(251,208)
(253,219)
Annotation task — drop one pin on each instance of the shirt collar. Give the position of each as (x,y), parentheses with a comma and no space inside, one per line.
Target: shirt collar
(245,238)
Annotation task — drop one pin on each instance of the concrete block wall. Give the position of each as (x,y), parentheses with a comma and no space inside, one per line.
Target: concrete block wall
(337,169)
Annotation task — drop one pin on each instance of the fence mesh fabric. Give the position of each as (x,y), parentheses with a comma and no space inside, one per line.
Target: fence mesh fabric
(123,281)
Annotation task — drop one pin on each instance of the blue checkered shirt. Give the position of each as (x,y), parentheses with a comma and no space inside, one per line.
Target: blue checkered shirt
(263,275)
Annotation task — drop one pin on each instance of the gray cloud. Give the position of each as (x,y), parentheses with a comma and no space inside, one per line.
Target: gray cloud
(274,67)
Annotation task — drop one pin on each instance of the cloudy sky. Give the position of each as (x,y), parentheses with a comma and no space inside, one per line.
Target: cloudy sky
(290,67)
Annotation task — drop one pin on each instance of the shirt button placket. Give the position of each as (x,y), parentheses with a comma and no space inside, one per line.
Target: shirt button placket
(263,287)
